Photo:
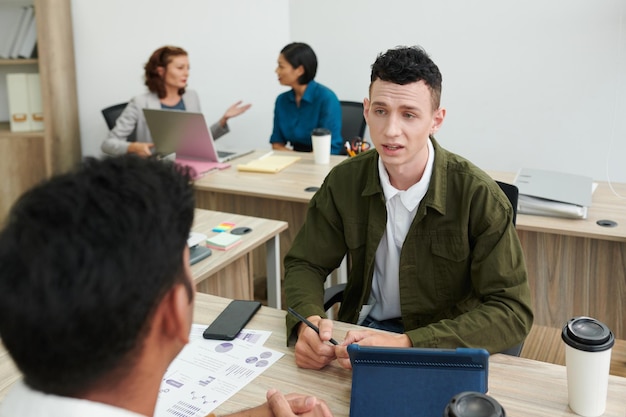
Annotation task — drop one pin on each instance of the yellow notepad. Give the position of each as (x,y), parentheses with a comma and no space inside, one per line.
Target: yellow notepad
(271,164)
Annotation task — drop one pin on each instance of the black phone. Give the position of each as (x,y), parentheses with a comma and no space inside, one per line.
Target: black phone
(231,320)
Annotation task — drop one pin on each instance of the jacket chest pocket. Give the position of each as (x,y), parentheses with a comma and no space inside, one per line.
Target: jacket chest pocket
(450,257)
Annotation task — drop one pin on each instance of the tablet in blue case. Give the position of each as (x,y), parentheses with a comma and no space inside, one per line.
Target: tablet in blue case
(415,382)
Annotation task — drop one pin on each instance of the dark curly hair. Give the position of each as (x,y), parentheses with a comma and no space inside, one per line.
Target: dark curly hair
(85,257)
(160,58)
(408,64)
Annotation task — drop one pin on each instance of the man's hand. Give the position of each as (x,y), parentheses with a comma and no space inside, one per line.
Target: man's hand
(290,405)
(296,404)
(369,338)
(312,350)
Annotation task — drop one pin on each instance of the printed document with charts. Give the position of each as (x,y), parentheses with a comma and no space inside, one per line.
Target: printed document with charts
(208,372)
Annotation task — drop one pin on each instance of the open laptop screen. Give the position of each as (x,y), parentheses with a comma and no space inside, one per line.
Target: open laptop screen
(183,132)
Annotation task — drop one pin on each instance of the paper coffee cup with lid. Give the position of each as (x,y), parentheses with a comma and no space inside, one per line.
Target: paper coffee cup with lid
(321,138)
(588,345)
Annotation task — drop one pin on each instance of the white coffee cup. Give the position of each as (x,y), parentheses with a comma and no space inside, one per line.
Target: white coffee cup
(588,344)
(320,138)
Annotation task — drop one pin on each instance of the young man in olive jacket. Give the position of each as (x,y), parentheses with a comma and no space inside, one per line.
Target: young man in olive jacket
(433,250)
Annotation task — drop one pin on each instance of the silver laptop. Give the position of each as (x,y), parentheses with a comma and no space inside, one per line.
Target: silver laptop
(186,134)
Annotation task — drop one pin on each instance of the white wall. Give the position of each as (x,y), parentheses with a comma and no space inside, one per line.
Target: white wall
(538,83)
(233,46)
(533,83)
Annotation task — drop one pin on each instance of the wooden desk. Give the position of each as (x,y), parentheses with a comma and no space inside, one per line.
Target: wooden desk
(576,267)
(279,196)
(230,273)
(524,387)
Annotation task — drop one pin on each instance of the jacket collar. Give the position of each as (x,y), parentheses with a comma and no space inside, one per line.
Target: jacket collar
(437,190)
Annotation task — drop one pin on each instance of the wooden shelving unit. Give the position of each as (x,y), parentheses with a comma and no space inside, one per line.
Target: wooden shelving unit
(29,157)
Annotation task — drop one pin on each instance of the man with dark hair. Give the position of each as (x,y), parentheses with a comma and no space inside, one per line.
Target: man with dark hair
(433,251)
(96,293)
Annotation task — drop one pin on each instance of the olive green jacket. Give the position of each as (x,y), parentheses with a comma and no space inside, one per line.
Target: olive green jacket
(463,279)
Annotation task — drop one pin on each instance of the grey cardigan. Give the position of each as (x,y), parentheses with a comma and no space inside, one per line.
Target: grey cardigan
(132,116)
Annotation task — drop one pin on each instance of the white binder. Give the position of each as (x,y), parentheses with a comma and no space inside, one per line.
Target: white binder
(550,193)
(34,101)
(10,19)
(30,40)
(19,109)
(27,17)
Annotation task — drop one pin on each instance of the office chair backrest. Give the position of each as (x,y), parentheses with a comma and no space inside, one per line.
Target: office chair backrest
(352,120)
(512,193)
(111,114)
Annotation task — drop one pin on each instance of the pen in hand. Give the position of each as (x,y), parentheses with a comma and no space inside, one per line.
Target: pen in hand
(308,323)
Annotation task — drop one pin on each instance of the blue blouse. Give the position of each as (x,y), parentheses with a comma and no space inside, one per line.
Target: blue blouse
(319,107)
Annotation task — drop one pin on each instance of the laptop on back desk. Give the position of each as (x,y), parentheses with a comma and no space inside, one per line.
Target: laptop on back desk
(187,135)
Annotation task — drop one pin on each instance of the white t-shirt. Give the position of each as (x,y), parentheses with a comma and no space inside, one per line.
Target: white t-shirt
(401,209)
(23,401)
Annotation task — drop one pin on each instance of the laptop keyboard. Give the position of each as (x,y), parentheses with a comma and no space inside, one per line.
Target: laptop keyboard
(224,154)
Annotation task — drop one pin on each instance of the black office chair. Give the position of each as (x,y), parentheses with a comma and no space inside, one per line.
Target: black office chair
(352,120)
(334,294)
(111,114)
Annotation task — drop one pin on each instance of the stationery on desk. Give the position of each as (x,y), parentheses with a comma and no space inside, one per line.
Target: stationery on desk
(308,323)
(269,163)
(223,241)
(557,194)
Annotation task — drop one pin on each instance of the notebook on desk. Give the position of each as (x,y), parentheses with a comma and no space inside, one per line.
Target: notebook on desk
(415,382)
(187,135)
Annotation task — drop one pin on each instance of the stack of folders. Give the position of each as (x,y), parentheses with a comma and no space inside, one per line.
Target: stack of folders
(556,194)
(18,31)
(25,106)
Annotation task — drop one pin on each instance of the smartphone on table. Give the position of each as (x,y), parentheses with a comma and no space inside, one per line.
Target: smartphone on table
(231,320)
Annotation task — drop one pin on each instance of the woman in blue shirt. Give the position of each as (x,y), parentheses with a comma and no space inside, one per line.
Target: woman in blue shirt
(308,105)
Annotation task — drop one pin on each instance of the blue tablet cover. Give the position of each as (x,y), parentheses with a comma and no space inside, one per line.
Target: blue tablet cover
(415,382)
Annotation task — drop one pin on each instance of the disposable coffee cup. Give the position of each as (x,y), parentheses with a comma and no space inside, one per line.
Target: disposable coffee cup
(588,344)
(320,138)
(473,404)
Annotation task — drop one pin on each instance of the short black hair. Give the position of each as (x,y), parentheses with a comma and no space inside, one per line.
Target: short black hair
(85,257)
(298,53)
(408,64)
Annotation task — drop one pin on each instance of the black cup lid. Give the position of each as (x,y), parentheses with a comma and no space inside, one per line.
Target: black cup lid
(320,131)
(588,334)
(473,404)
